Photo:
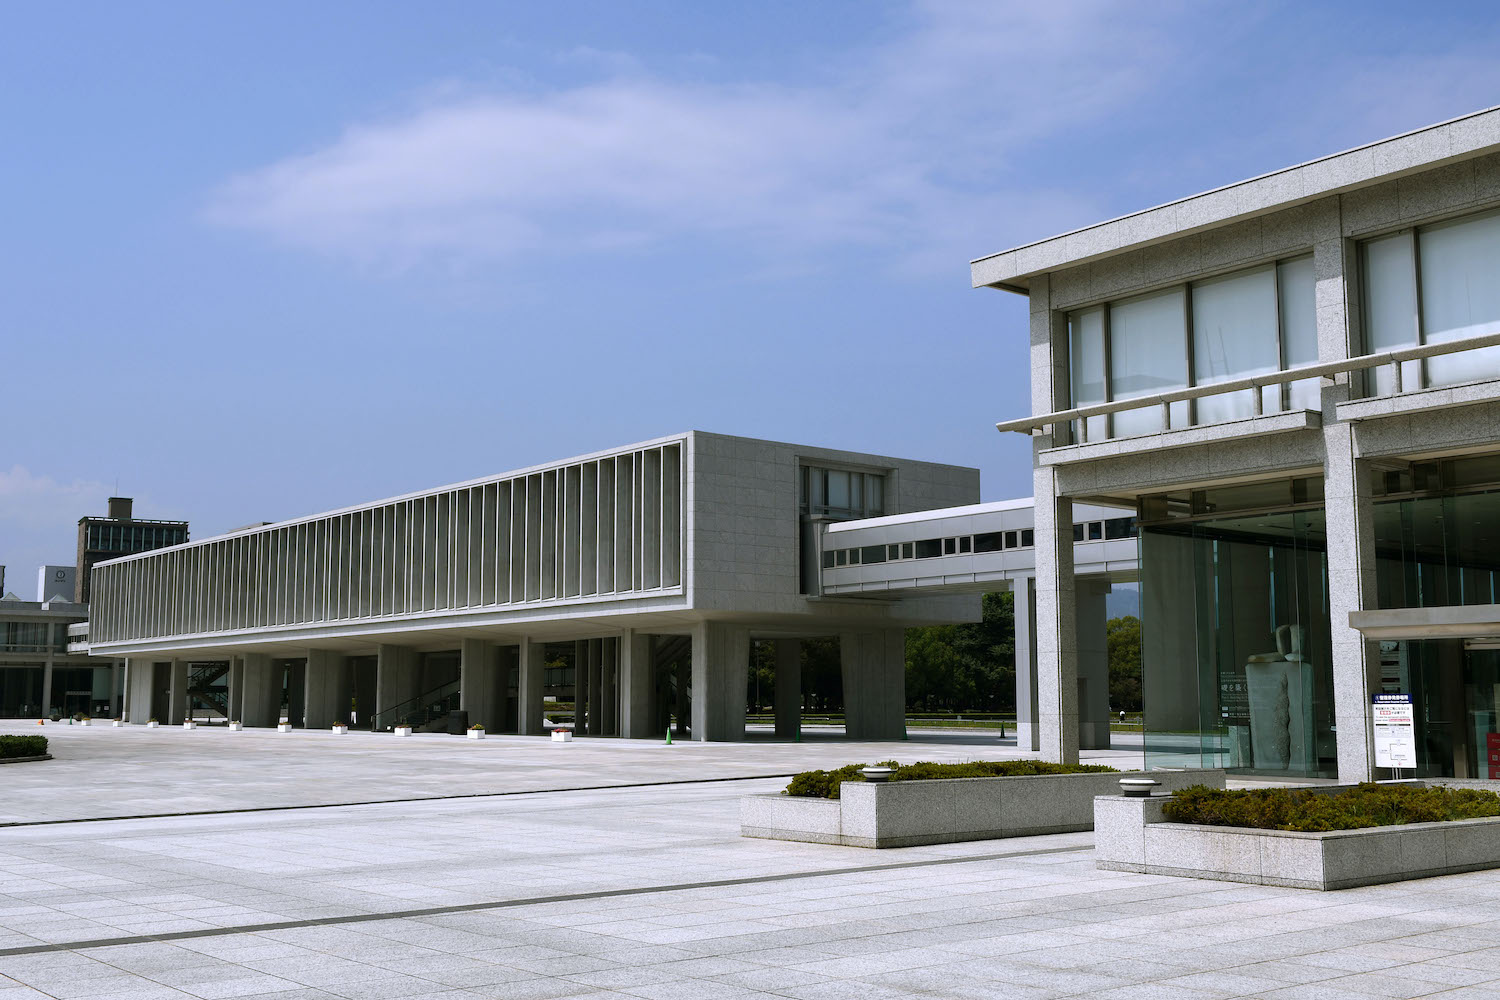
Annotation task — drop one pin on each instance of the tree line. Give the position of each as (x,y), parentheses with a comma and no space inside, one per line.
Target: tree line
(951,668)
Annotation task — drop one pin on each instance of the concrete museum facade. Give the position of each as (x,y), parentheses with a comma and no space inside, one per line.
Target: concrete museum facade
(1294,384)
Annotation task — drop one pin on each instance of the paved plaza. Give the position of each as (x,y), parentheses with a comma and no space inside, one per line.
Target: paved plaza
(615,869)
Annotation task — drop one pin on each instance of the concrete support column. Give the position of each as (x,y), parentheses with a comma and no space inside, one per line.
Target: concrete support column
(721,668)
(529,691)
(788,658)
(116,668)
(236,706)
(609,659)
(1351,587)
(1090,622)
(637,694)
(47,688)
(140,683)
(874,672)
(481,691)
(177,696)
(398,679)
(1056,619)
(326,689)
(260,684)
(1027,734)
(596,687)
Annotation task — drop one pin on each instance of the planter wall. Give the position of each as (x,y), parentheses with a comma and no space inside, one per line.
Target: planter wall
(945,811)
(1132,835)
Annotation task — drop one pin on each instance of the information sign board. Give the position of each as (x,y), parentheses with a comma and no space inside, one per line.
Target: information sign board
(1395,730)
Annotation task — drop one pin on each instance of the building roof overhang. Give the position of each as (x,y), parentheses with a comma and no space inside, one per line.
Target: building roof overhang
(1461,138)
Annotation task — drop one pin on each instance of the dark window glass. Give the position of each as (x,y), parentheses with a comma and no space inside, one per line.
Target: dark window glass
(1010,539)
(989,542)
(908,550)
(927,548)
(950,546)
(1120,527)
(872,554)
(1096,530)
(1077,532)
(893,552)
(1028,538)
(965,543)
(828,560)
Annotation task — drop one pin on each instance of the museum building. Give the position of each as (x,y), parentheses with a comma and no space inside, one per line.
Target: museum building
(1294,382)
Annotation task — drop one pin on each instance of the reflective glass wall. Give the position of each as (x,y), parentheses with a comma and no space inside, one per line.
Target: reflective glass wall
(1235,645)
(1251,322)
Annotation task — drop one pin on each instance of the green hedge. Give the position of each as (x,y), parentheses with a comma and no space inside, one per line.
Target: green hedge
(1300,809)
(22,746)
(825,784)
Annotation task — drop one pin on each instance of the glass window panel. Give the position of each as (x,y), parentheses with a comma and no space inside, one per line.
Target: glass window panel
(838,490)
(1086,364)
(875,494)
(950,546)
(1460,264)
(1299,330)
(908,550)
(872,554)
(1148,354)
(1028,538)
(1096,530)
(1234,335)
(1390,303)
(965,543)
(1077,532)
(988,542)
(927,548)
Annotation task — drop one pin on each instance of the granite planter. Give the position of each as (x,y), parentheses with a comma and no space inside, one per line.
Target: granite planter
(402,730)
(1133,835)
(945,810)
(235,727)
(283,727)
(340,730)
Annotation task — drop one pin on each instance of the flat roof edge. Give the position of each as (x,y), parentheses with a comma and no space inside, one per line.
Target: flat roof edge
(1464,137)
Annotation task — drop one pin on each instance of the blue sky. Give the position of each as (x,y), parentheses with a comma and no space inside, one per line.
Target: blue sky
(260,260)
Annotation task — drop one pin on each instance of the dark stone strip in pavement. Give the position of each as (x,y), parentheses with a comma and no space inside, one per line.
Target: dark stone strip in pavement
(388,802)
(503,904)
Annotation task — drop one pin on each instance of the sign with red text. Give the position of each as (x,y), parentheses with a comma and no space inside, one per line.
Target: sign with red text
(1394,721)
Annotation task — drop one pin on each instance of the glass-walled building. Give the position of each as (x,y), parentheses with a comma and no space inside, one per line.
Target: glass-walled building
(1295,382)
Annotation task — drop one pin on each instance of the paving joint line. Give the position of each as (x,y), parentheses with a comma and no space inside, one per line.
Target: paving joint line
(387,802)
(506,904)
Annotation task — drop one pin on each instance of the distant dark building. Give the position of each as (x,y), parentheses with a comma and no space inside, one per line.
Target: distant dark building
(120,534)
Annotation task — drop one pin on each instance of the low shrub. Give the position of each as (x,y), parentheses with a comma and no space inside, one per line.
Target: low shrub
(1310,811)
(22,746)
(825,784)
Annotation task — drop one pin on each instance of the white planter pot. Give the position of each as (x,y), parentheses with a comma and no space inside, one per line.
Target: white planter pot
(476,734)
(117,723)
(403,730)
(190,725)
(235,727)
(83,722)
(340,730)
(562,736)
(283,727)
(153,724)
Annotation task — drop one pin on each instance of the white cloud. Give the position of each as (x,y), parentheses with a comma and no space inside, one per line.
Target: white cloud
(897,147)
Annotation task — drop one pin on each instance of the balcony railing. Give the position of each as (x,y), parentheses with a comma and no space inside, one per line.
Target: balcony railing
(1163,400)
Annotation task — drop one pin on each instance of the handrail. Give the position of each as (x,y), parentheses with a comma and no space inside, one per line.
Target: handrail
(437,694)
(1025,425)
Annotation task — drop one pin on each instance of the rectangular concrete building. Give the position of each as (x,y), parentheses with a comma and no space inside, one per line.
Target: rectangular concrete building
(650,569)
(1294,381)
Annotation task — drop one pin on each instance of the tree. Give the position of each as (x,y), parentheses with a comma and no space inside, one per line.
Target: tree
(965,667)
(1123,636)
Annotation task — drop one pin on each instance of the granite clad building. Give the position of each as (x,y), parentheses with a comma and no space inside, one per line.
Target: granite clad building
(675,551)
(1294,382)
